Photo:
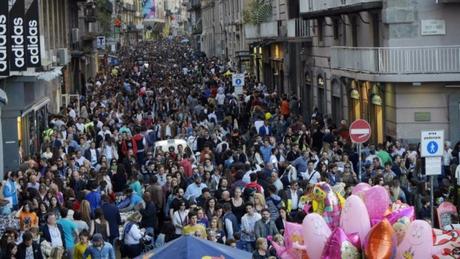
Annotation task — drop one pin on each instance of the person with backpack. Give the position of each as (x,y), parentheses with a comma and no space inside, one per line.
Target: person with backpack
(132,237)
(252,187)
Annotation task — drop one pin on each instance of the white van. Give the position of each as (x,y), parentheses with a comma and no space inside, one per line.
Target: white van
(166,144)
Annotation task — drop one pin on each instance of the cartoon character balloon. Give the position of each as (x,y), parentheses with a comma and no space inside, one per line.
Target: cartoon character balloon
(381,242)
(377,202)
(315,235)
(417,242)
(341,245)
(446,244)
(354,217)
(328,204)
(292,233)
(400,220)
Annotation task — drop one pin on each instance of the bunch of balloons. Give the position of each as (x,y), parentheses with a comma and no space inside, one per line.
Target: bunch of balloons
(369,226)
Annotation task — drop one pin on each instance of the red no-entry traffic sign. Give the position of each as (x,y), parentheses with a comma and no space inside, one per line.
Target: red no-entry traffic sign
(360,131)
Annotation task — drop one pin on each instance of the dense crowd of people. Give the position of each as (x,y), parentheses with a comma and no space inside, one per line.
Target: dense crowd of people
(246,167)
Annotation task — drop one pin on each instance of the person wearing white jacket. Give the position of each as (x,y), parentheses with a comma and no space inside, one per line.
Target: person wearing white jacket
(248,222)
(132,236)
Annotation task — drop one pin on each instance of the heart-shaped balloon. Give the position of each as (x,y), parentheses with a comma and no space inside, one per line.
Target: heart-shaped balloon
(377,202)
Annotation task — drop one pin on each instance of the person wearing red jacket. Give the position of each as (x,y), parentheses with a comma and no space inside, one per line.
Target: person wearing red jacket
(253,185)
(128,143)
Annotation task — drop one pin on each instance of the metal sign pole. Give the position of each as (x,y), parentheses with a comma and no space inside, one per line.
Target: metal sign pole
(432,199)
(359,163)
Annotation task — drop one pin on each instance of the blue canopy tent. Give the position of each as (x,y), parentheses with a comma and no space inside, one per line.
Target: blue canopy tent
(192,247)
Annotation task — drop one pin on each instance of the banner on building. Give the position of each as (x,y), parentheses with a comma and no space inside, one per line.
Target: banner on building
(149,9)
(4,38)
(16,27)
(33,36)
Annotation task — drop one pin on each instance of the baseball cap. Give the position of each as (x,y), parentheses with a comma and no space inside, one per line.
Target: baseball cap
(97,237)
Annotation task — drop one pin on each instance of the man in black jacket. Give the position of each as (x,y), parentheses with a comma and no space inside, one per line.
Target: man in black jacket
(112,215)
(52,232)
(28,247)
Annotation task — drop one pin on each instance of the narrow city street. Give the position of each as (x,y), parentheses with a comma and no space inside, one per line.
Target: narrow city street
(229,129)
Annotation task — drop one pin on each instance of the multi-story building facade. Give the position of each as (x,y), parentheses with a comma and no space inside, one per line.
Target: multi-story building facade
(195,22)
(131,15)
(84,48)
(212,38)
(34,91)
(394,63)
(154,18)
(223,34)
(276,46)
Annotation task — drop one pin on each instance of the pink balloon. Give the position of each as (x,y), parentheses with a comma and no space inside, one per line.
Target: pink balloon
(315,235)
(339,245)
(417,242)
(377,202)
(281,251)
(396,215)
(354,217)
(360,187)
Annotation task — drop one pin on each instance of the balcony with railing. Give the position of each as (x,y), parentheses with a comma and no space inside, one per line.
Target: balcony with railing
(424,63)
(263,30)
(316,8)
(298,29)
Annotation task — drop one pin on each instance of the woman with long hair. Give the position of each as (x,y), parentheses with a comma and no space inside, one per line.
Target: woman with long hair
(55,207)
(216,230)
(100,225)
(259,202)
(85,210)
(132,236)
(238,204)
(210,207)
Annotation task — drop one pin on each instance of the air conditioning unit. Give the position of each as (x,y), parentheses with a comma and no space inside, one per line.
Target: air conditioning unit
(63,57)
(75,35)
